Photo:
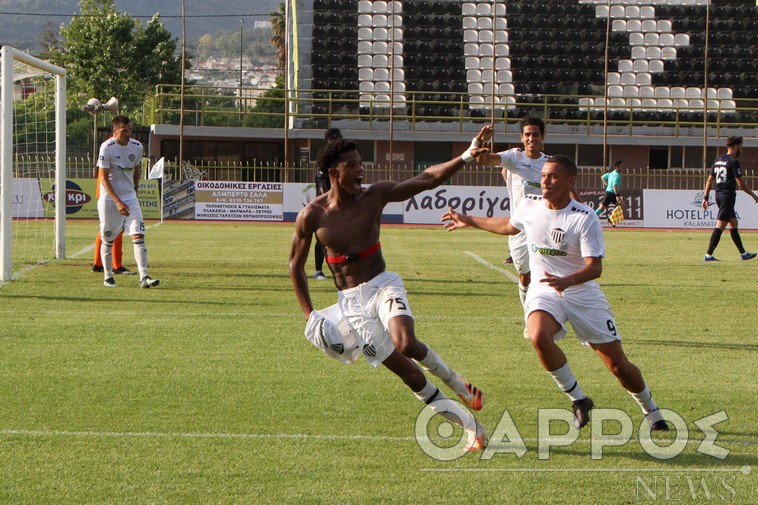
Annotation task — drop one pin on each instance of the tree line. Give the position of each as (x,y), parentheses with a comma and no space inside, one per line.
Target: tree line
(107,53)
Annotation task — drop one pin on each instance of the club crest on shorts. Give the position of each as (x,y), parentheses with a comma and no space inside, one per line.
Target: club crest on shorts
(369,350)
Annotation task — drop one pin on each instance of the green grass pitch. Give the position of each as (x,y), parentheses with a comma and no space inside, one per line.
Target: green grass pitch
(203,390)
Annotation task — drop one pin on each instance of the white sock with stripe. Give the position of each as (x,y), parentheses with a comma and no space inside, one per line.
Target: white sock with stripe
(140,256)
(568,383)
(433,364)
(450,410)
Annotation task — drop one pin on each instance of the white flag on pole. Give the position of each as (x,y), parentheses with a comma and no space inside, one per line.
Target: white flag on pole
(157,171)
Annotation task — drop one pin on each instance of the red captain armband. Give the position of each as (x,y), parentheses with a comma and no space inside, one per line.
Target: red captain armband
(336,260)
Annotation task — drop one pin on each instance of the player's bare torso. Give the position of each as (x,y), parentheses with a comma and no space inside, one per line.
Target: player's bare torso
(347,228)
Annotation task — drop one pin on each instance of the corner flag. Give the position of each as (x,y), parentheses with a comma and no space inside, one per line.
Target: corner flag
(157,171)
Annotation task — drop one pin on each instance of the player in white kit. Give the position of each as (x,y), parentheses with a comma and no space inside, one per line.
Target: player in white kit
(120,163)
(566,247)
(522,169)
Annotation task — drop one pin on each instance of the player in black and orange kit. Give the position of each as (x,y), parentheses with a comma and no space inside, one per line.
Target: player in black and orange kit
(727,173)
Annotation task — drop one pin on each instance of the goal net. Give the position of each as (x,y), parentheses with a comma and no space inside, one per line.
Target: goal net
(32,162)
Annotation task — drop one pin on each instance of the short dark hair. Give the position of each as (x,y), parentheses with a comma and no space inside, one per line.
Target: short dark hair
(332,151)
(332,134)
(734,140)
(565,162)
(617,164)
(122,120)
(533,120)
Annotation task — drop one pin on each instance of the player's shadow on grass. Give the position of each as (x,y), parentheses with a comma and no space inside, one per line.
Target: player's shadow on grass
(700,345)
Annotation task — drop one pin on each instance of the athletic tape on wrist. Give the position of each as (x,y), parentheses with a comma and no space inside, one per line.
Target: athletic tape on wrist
(467,157)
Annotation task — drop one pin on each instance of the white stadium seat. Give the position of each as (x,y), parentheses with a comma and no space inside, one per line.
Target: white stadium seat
(365,6)
(472,62)
(653,53)
(626,66)
(504,76)
(647,91)
(628,78)
(724,93)
(634,25)
(668,53)
(662,92)
(644,79)
(655,66)
(694,93)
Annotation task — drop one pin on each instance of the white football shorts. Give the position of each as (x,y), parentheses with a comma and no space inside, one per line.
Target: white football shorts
(519,249)
(585,307)
(368,308)
(111,222)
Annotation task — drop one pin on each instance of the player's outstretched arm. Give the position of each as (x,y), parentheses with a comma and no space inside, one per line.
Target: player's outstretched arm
(497,225)
(484,139)
(428,179)
(301,244)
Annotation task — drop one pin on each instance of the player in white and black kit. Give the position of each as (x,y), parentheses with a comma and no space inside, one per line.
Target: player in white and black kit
(566,247)
(522,169)
(120,162)
(727,174)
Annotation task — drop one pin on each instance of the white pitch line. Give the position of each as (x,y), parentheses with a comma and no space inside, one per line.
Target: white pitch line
(493,267)
(149,434)
(156,434)
(89,248)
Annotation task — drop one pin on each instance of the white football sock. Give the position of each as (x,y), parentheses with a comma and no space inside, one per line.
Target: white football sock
(450,410)
(433,364)
(568,383)
(106,253)
(140,256)
(522,293)
(645,400)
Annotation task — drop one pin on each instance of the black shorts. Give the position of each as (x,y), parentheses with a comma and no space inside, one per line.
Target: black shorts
(609,198)
(725,202)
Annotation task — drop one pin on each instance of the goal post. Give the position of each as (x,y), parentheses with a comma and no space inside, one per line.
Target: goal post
(11,58)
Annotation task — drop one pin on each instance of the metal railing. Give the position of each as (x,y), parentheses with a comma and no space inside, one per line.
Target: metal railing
(215,106)
(473,175)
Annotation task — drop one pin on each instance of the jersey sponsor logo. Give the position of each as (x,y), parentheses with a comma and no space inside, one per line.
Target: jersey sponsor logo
(548,251)
(531,184)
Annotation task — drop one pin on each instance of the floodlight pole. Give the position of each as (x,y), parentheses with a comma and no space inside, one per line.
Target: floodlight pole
(94,142)
(242,21)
